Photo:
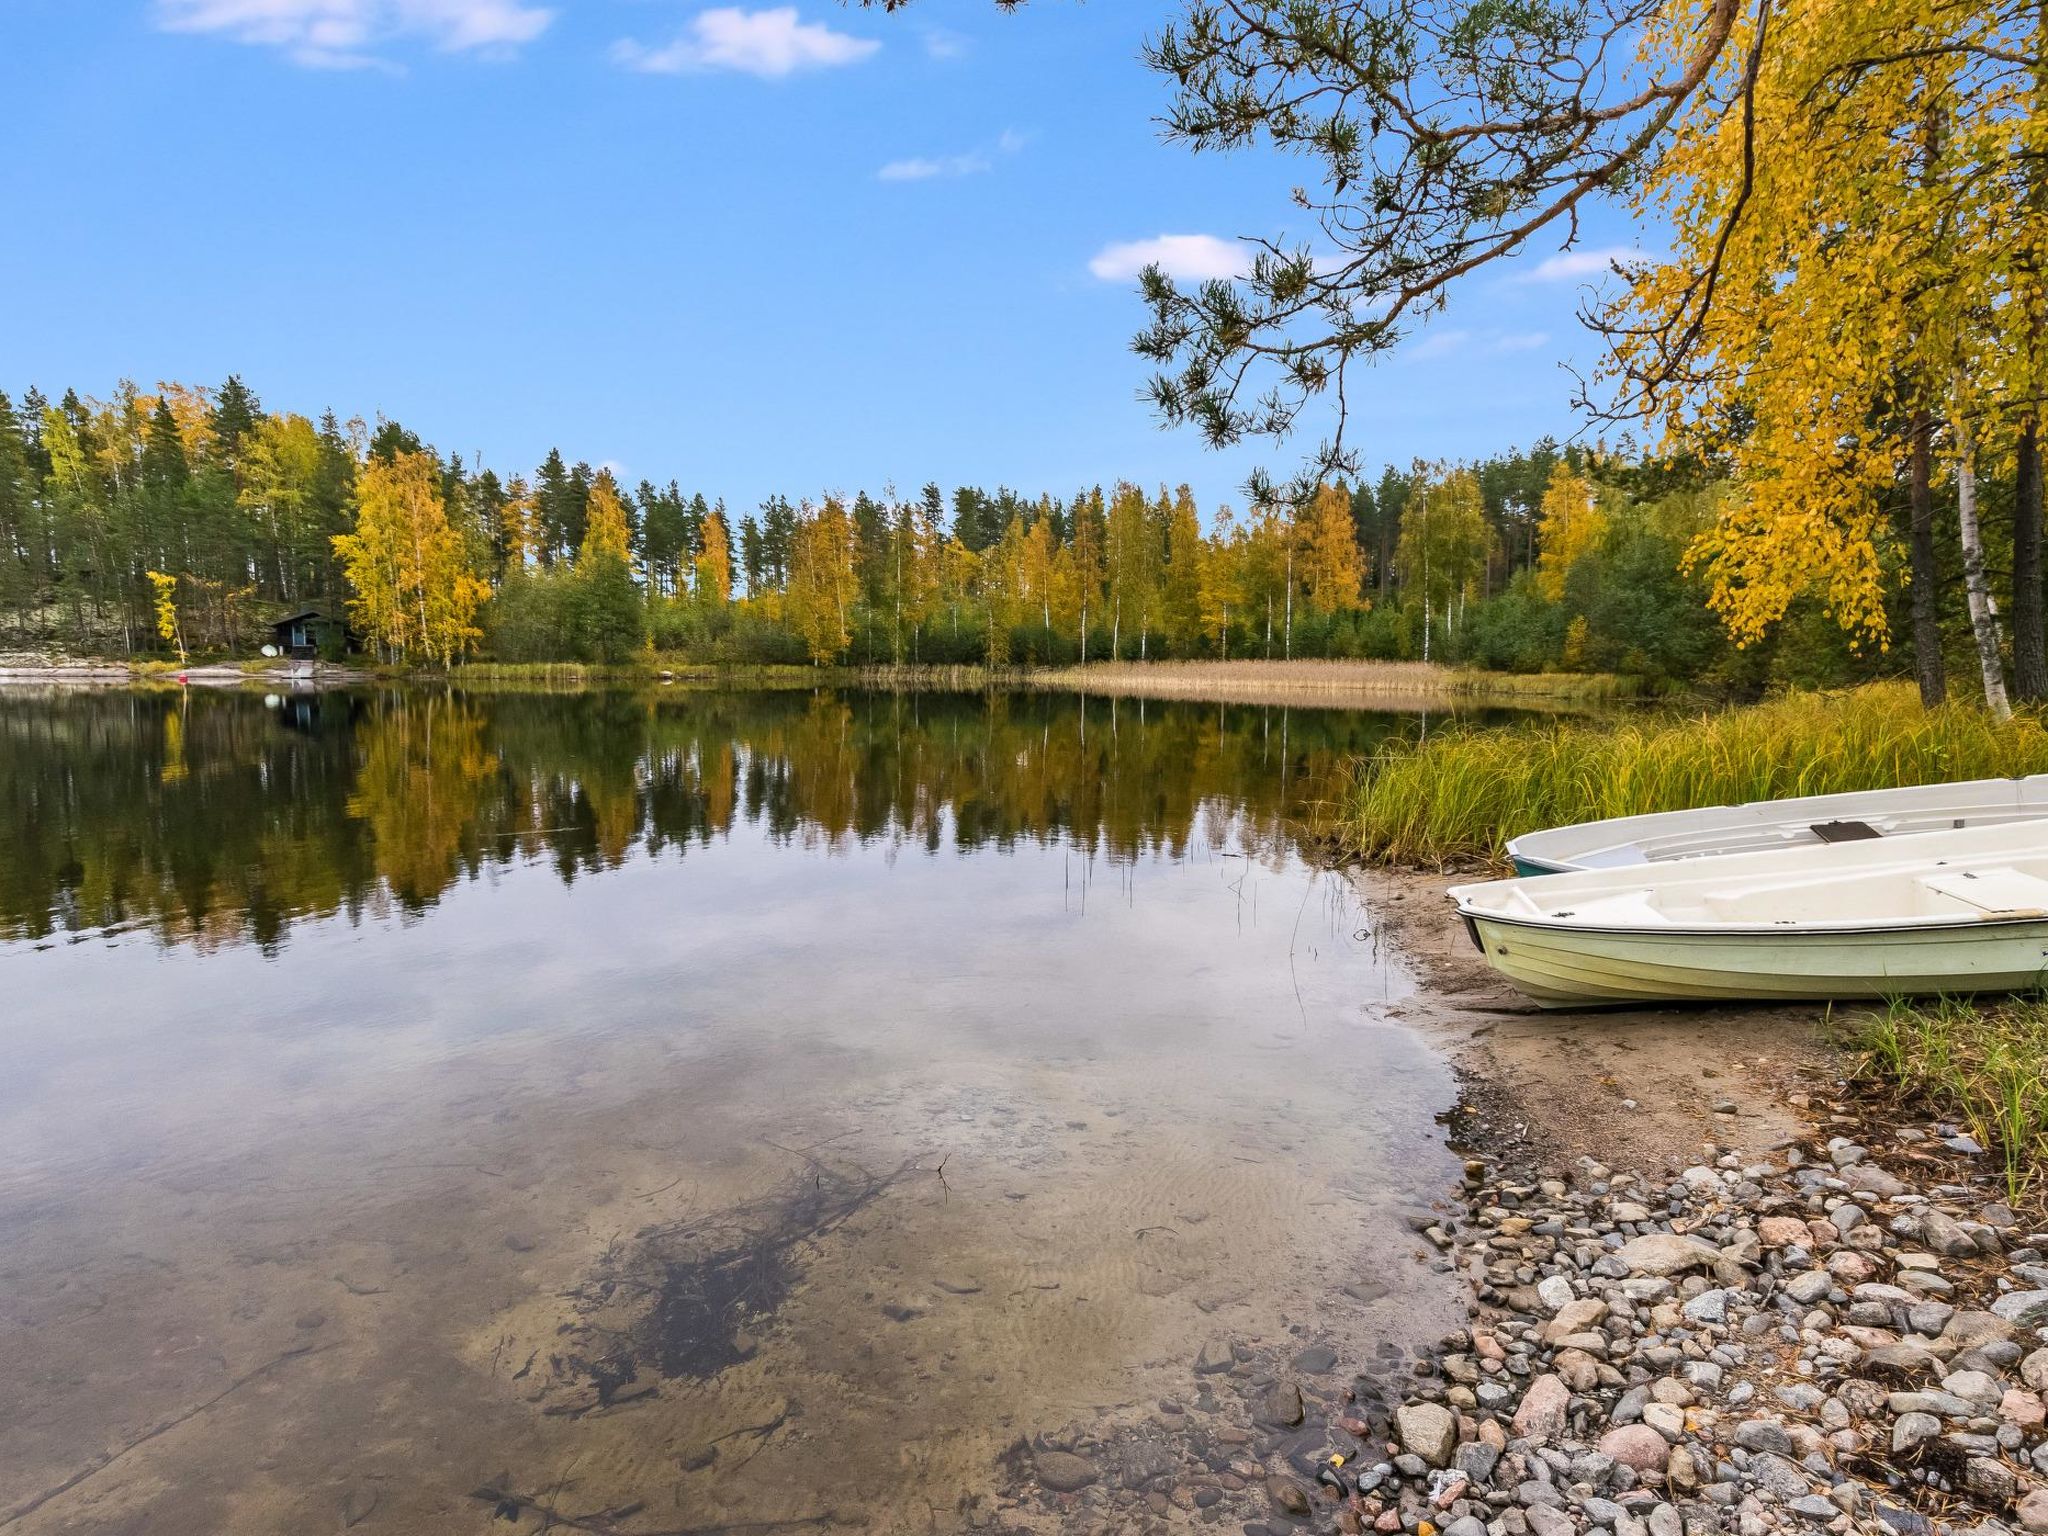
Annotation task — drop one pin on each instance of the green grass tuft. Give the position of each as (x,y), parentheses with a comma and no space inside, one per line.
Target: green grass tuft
(1463,794)
(1984,1065)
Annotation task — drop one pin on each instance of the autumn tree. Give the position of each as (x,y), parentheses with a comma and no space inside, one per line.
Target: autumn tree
(711,579)
(1570,524)
(412,589)
(822,580)
(1327,563)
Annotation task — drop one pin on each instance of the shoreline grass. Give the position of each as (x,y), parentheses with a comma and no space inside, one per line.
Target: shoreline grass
(1461,794)
(1323,681)
(1982,1065)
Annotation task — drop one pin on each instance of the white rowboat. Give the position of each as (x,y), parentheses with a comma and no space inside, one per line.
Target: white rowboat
(1810,822)
(1948,912)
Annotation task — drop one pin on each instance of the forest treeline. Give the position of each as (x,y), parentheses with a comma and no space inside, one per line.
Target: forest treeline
(184,520)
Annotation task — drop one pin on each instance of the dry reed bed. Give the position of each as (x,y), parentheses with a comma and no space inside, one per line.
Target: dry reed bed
(1263,681)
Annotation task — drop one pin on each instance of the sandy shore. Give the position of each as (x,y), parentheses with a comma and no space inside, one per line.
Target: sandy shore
(1639,1089)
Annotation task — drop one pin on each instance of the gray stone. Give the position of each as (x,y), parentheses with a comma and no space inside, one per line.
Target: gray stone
(1944,1234)
(1942,1405)
(1930,1317)
(1428,1430)
(1628,1408)
(2027,1309)
(1810,1287)
(1972,1386)
(2034,1371)
(1667,1419)
(1707,1307)
(1777,1475)
(2033,1511)
(1281,1405)
(1763,1435)
(1990,1479)
(1215,1356)
(1913,1429)
(1555,1292)
(1062,1471)
(1316,1360)
(1869,1179)
(1666,1253)
(1814,1507)
(1476,1459)
(1973,1330)
(1545,1521)
(1287,1495)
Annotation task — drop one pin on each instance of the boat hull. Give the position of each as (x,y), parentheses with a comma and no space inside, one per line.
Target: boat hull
(1577,967)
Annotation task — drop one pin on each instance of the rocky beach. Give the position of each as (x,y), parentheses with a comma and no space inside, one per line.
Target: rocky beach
(1766,1304)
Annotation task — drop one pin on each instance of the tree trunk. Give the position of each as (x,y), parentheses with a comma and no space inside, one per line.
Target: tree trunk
(1925,572)
(1287,644)
(2029,646)
(1983,618)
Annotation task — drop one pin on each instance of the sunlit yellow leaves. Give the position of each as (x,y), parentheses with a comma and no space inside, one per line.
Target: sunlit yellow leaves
(1571,523)
(606,529)
(1848,249)
(412,588)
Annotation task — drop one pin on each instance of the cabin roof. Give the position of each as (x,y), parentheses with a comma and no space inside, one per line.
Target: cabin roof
(314,612)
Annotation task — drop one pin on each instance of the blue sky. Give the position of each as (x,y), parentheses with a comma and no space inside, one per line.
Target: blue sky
(755,248)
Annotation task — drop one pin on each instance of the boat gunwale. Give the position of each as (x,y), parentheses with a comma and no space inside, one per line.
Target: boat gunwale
(1961,922)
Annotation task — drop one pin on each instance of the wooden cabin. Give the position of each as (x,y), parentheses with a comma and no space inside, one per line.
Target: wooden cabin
(312,632)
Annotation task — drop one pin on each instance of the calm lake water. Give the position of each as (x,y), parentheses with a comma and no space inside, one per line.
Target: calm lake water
(683,1112)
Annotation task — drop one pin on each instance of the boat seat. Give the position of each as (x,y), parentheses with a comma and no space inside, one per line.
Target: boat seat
(1993,892)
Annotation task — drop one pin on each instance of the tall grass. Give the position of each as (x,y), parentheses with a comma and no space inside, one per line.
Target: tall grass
(1461,795)
(1984,1066)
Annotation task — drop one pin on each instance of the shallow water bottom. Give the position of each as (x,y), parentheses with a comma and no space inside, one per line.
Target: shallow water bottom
(779,1186)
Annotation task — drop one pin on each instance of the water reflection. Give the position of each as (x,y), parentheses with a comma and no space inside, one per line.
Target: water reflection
(682,1113)
(215,818)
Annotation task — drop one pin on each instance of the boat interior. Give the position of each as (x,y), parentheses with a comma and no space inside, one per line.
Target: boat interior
(2011,887)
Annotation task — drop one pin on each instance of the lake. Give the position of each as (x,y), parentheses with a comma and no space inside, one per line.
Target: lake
(687,1111)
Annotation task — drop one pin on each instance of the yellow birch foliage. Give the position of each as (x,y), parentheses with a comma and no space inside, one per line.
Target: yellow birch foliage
(411,588)
(1327,562)
(1571,523)
(821,580)
(1848,218)
(711,580)
(606,529)
(164,596)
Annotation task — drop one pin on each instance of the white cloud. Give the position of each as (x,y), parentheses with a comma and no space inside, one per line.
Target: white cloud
(941,44)
(772,44)
(1566,265)
(937,167)
(1187,257)
(1520,341)
(1438,344)
(346,34)
(921,168)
